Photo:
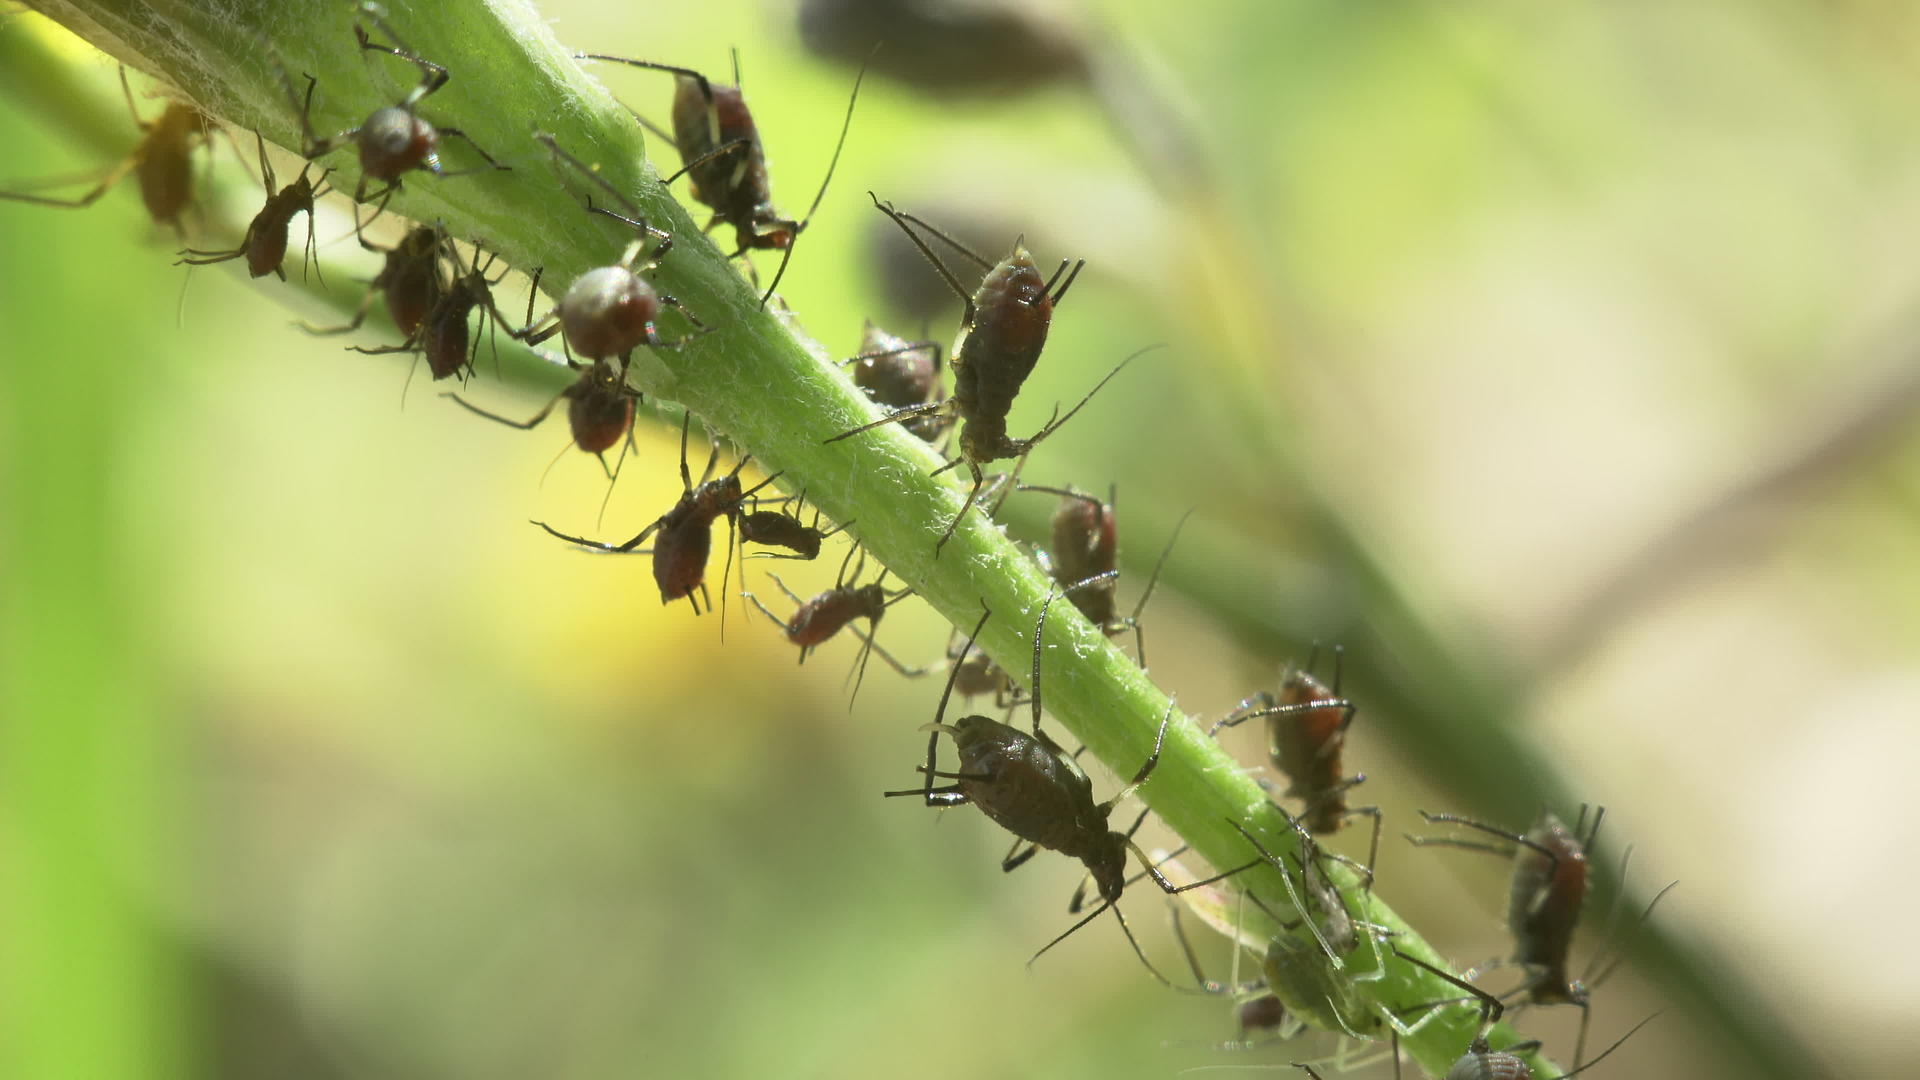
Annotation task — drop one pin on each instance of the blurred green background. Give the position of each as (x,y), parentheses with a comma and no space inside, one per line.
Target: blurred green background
(317,761)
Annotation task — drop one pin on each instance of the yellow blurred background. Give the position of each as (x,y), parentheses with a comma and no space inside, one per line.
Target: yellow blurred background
(317,761)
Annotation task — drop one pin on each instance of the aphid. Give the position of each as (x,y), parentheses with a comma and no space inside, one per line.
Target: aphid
(820,618)
(265,243)
(1481,1061)
(783,529)
(686,531)
(599,410)
(1001,335)
(985,48)
(161,162)
(896,373)
(1032,788)
(444,336)
(608,311)
(725,164)
(395,140)
(1548,887)
(1085,550)
(410,281)
(1306,732)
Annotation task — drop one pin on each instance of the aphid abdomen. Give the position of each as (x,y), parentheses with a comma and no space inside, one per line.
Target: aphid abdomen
(393,142)
(411,279)
(1305,747)
(165,169)
(1085,544)
(1012,312)
(266,244)
(598,415)
(1298,974)
(1544,905)
(608,312)
(680,552)
(1489,1067)
(447,336)
(1034,793)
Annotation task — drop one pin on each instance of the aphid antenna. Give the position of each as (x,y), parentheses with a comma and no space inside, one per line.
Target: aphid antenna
(1474,845)
(952,796)
(1153,579)
(840,144)
(1055,423)
(902,219)
(953,242)
(633,217)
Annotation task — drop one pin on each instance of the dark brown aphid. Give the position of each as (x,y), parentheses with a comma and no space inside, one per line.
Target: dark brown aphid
(265,244)
(608,311)
(1084,560)
(410,281)
(1306,734)
(784,529)
(896,373)
(725,164)
(599,410)
(822,617)
(686,531)
(1032,788)
(1001,335)
(395,140)
(444,337)
(161,162)
(1481,1061)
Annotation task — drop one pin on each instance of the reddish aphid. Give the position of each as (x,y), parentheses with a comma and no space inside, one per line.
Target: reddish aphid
(265,244)
(725,164)
(599,410)
(896,373)
(1002,332)
(1547,891)
(1306,734)
(1084,561)
(1032,788)
(161,162)
(818,619)
(445,337)
(410,281)
(395,140)
(685,533)
(609,311)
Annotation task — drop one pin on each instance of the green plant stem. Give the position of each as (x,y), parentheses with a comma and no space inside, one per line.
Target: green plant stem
(751,378)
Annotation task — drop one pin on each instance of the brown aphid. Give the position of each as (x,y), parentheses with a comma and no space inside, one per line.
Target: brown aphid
(161,162)
(1306,734)
(685,533)
(1002,332)
(815,621)
(410,281)
(1035,790)
(599,410)
(609,311)
(444,337)
(1085,556)
(265,244)
(394,140)
(725,164)
(784,529)
(896,373)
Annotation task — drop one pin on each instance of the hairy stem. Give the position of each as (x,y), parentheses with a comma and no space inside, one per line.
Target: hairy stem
(752,378)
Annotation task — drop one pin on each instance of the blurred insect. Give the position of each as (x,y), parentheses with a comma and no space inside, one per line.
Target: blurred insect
(1481,1061)
(686,531)
(896,373)
(784,529)
(410,281)
(820,618)
(609,311)
(394,140)
(1306,733)
(161,162)
(444,336)
(981,47)
(1001,335)
(599,410)
(1548,888)
(725,164)
(265,244)
(1032,788)
(1085,550)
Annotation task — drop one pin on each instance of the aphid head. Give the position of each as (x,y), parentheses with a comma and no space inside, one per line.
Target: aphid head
(394,141)
(608,312)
